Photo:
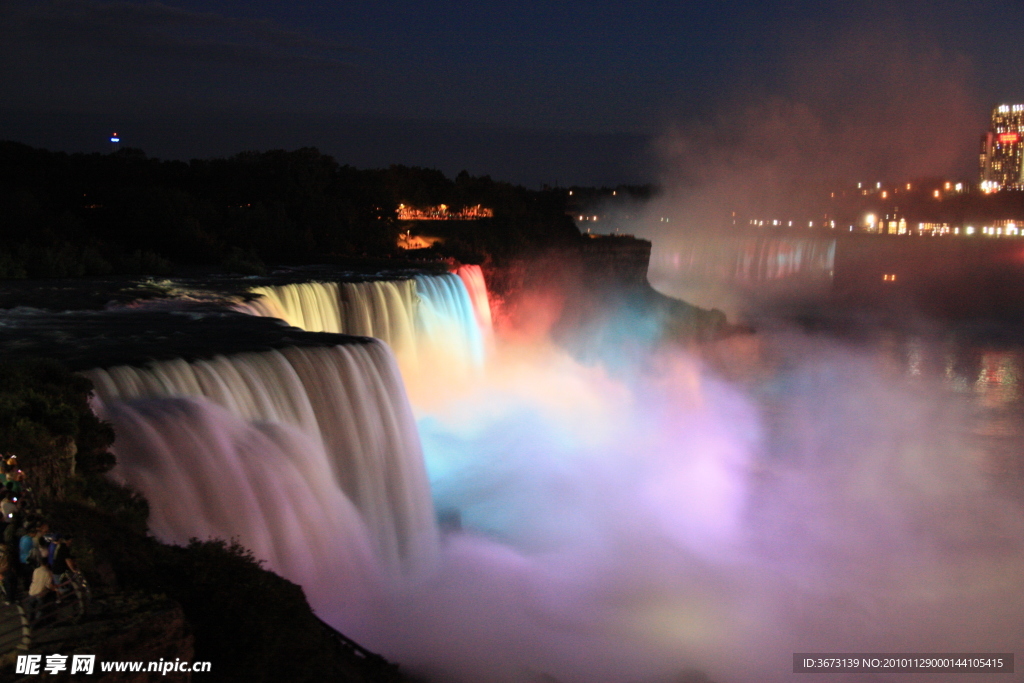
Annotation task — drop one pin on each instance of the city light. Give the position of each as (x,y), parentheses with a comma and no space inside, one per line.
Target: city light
(1002,148)
(441,213)
(1002,169)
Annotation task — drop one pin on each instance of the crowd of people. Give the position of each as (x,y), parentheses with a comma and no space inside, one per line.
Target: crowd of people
(37,566)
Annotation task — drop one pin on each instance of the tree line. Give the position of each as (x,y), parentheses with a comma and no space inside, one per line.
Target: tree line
(67,215)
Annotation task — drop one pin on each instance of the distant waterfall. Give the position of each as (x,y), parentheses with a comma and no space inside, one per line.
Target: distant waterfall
(428,321)
(307,446)
(746,260)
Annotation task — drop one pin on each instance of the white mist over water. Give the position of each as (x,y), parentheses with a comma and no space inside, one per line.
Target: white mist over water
(628,527)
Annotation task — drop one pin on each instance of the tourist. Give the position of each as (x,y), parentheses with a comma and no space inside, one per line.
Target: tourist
(31,549)
(15,481)
(11,512)
(8,512)
(41,589)
(62,562)
(9,507)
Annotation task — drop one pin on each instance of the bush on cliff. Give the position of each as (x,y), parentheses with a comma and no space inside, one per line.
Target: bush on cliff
(45,420)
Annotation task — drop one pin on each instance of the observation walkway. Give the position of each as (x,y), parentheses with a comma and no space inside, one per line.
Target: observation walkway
(55,623)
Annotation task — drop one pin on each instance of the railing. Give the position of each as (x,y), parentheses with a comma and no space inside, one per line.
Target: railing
(15,632)
(69,605)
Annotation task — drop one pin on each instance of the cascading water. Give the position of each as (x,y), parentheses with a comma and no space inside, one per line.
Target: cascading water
(741,273)
(339,410)
(304,452)
(747,259)
(616,528)
(448,327)
(476,287)
(208,474)
(430,321)
(383,309)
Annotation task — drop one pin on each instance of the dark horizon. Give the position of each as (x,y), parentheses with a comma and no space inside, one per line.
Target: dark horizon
(574,94)
(529,157)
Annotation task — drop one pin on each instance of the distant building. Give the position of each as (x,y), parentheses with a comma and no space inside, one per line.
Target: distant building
(1001,150)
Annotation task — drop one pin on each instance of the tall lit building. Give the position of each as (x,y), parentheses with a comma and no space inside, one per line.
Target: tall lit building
(1002,166)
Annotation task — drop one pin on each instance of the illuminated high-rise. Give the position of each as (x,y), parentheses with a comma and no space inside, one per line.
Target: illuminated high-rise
(1002,161)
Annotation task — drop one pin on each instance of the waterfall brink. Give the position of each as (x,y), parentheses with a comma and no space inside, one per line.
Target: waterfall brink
(312,446)
(383,309)
(430,322)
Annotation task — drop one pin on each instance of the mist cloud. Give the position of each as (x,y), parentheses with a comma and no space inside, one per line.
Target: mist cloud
(873,104)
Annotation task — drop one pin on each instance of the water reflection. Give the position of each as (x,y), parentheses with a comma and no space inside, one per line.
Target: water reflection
(986,380)
(975,391)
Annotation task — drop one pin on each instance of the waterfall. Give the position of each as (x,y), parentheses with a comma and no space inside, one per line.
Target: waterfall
(747,260)
(448,334)
(430,321)
(473,279)
(277,448)
(208,474)
(384,309)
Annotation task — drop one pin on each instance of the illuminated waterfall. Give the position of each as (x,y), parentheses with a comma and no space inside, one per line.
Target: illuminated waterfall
(447,330)
(476,287)
(429,321)
(746,260)
(303,445)
(383,309)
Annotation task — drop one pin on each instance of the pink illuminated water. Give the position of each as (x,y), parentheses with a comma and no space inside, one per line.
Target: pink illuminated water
(338,414)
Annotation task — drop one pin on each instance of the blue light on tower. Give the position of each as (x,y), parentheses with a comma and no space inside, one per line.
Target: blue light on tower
(115,141)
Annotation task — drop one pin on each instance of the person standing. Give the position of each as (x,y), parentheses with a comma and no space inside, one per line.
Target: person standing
(63,562)
(41,589)
(30,551)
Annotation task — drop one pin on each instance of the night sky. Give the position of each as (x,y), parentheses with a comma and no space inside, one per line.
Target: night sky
(553,92)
